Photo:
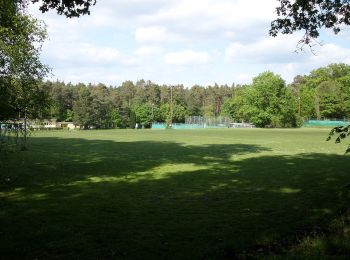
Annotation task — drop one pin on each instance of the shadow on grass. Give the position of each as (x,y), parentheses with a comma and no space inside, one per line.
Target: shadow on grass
(75,198)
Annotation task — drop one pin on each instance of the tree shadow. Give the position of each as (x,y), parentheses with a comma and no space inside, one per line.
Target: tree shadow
(77,198)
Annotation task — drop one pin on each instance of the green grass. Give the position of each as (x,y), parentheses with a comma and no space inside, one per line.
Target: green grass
(174,194)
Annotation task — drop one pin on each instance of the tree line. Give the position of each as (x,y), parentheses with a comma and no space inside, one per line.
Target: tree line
(322,94)
(142,102)
(268,102)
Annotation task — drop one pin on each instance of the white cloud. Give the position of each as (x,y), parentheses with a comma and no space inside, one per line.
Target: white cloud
(88,75)
(175,20)
(243,78)
(93,53)
(133,39)
(86,54)
(325,55)
(331,53)
(266,50)
(206,19)
(156,34)
(148,50)
(188,57)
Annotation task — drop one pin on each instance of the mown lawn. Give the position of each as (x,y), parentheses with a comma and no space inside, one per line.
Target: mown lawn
(169,194)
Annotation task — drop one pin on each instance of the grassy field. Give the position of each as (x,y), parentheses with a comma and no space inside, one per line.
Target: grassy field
(174,194)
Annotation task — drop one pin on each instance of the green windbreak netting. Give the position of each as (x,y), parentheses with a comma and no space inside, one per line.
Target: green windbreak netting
(325,123)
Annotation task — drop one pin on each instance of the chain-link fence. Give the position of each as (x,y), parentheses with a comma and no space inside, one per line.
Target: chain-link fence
(13,135)
(196,122)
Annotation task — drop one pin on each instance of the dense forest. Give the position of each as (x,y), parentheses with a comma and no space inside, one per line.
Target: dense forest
(267,102)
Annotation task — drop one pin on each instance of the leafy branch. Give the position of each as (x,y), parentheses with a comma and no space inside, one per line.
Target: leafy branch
(342,132)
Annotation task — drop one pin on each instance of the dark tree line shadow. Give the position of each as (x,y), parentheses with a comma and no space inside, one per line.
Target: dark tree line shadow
(96,199)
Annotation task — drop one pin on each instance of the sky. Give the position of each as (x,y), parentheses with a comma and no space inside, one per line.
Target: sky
(179,42)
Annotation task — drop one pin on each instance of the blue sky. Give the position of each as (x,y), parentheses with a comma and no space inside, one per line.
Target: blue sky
(179,42)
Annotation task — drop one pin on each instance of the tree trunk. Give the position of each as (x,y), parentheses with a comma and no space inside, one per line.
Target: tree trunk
(25,129)
(317,107)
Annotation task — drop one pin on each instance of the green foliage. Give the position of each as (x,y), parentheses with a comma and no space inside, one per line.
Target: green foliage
(324,93)
(308,108)
(21,38)
(83,112)
(310,17)
(265,103)
(289,112)
(68,8)
(179,113)
(268,102)
(342,132)
(164,112)
(237,107)
(146,114)
(195,100)
(68,115)
(20,67)
(93,108)
(115,118)
(264,98)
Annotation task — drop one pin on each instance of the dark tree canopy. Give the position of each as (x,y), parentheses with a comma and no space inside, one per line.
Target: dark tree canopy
(69,8)
(342,132)
(310,17)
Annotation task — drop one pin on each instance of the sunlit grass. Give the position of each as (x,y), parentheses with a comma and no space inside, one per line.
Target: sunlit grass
(178,194)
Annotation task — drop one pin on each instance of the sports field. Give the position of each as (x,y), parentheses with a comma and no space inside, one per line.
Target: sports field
(171,194)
